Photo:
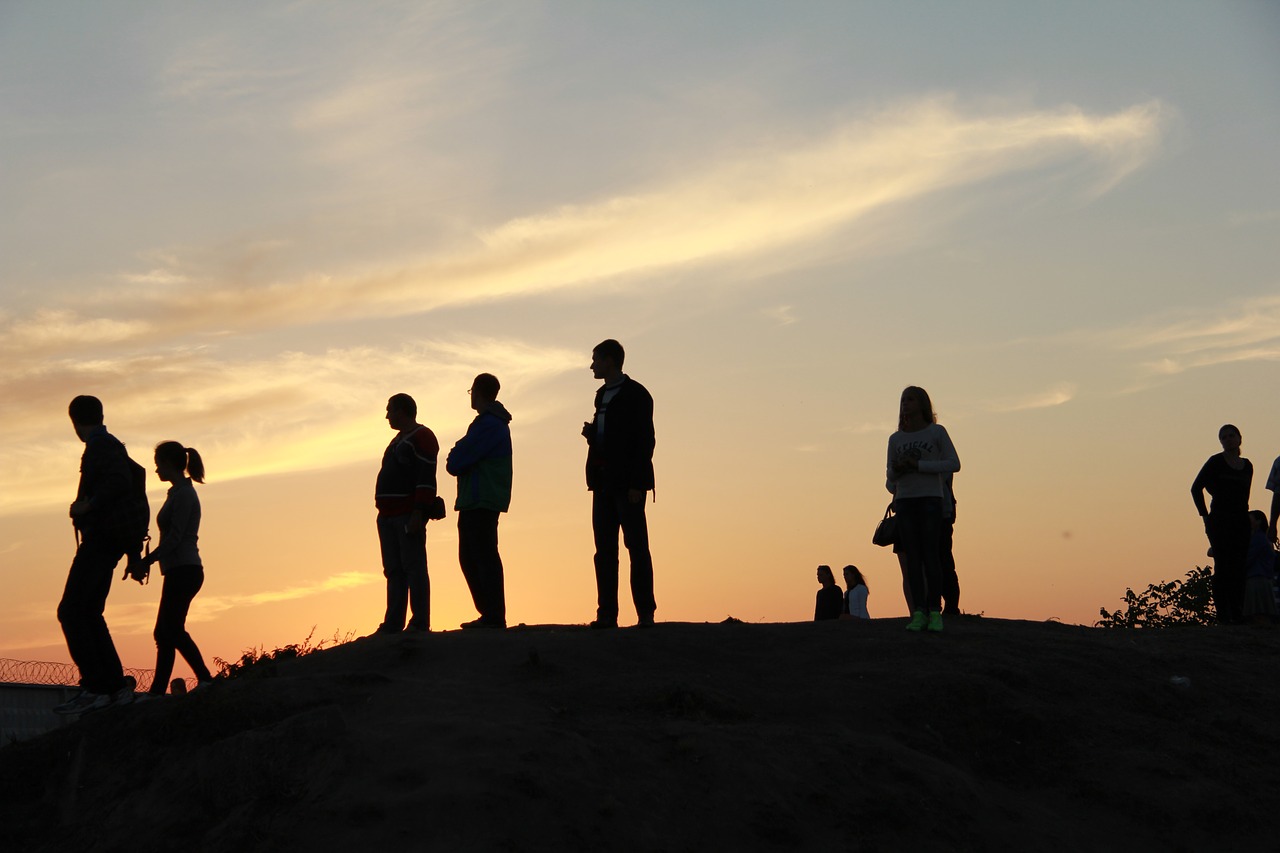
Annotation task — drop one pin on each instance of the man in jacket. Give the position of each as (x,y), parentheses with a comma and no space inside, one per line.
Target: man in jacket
(481,460)
(620,439)
(405,488)
(105,480)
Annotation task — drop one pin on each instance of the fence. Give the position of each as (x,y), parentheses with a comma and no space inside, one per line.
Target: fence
(57,674)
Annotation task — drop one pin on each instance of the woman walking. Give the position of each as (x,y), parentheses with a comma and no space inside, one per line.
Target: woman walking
(920,454)
(1226,476)
(179,559)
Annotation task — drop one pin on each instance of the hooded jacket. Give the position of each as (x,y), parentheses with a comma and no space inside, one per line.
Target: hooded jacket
(481,460)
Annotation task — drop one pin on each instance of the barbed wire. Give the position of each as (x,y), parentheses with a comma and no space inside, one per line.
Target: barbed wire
(59,674)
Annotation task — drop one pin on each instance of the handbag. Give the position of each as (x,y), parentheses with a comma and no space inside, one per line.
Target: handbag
(886,530)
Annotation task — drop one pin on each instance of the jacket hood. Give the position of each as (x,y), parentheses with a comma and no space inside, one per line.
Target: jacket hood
(497,410)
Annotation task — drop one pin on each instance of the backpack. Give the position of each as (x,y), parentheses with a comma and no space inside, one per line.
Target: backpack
(128,521)
(134,520)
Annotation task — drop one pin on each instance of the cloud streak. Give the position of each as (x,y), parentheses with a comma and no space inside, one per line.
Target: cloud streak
(1057,395)
(236,409)
(742,206)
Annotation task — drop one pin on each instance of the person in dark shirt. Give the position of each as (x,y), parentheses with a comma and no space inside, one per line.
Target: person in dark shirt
(830,597)
(1226,476)
(105,478)
(406,486)
(620,442)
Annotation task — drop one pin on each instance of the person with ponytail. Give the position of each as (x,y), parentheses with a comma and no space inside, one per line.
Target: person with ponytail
(179,559)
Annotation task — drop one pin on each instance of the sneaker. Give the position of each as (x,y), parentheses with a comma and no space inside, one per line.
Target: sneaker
(935,622)
(124,694)
(645,622)
(917,622)
(81,702)
(602,624)
(490,624)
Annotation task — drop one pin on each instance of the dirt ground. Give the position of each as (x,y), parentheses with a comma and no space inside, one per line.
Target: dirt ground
(996,735)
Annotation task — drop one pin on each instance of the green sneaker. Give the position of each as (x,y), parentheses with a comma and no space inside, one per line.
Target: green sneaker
(935,622)
(917,621)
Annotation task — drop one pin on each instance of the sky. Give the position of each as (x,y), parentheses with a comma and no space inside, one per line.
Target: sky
(244,225)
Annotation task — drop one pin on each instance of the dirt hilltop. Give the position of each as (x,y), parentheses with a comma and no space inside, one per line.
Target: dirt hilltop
(998,735)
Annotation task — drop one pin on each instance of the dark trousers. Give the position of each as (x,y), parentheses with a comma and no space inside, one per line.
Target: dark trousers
(1229,538)
(80,612)
(404,565)
(181,583)
(611,510)
(919,531)
(481,563)
(950,580)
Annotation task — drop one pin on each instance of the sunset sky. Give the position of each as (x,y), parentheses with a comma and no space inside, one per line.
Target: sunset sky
(244,225)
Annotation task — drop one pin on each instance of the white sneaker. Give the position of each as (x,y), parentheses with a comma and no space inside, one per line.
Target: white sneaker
(81,702)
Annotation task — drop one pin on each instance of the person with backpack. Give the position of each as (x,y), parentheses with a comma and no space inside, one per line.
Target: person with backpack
(179,558)
(110,516)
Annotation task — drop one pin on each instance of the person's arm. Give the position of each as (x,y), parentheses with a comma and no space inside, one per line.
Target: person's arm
(476,445)
(1198,486)
(890,476)
(1273,484)
(641,438)
(425,452)
(948,461)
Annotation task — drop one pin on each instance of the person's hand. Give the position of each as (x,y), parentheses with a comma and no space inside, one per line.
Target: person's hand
(1271,531)
(79,508)
(636,496)
(586,430)
(416,525)
(137,569)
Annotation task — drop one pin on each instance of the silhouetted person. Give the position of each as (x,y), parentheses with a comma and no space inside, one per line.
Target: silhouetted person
(919,453)
(856,594)
(830,600)
(100,515)
(481,460)
(1227,477)
(406,486)
(1273,486)
(946,544)
(620,439)
(1260,573)
(180,565)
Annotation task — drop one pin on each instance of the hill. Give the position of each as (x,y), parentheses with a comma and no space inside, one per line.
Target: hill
(998,735)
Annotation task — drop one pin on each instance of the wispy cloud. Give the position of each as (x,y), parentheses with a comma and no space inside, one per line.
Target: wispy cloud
(235,409)
(1173,344)
(752,204)
(781,314)
(212,606)
(1062,392)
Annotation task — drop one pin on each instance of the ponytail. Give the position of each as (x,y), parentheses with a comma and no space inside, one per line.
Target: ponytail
(185,459)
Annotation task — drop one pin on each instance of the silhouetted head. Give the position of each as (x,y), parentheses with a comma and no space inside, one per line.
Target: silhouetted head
(853,577)
(825,577)
(915,400)
(402,411)
(484,389)
(86,411)
(1258,519)
(174,461)
(606,359)
(1229,437)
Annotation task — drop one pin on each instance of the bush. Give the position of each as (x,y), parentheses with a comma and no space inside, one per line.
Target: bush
(1176,602)
(257,662)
